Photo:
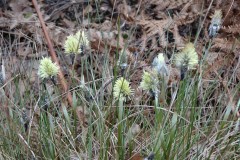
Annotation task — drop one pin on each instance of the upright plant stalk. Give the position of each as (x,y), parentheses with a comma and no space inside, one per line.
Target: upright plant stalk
(120,148)
(156,100)
(90,134)
(158,126)
(121,90)
(158,114)
(52,53)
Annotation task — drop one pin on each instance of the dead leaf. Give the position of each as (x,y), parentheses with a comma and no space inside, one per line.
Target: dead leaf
(19,5)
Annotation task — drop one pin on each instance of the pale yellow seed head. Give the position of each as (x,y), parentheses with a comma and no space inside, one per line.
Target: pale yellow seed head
(121,88)
(217,14)
(150,81)
(216,18)
(187,57)
(47,68)
(74,43)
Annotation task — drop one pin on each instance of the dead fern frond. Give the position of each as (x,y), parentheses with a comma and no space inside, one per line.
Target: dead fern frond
(160,4)
(232,29)
(218,62)
(156,27)
(169,4)
(238,73)
(184,18)
(178,39)
(175,4)
(231,45)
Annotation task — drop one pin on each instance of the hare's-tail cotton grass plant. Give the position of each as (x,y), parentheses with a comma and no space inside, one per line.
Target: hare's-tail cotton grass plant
(155,81)
(76,44)
(157,75)
(121,91)
(47,69)
(160,66)
(187,59)
(150,83)
(215,23)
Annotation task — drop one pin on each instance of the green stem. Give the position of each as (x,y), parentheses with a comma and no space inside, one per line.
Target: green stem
(157,111)
(120,149)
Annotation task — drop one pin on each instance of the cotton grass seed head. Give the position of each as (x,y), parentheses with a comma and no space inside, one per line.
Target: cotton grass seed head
(71,45)
(187,57)
(215,23)
(159,60)
(47,68)
(217,17)
(74,43)
(150,81)
(121,89)
(159,65)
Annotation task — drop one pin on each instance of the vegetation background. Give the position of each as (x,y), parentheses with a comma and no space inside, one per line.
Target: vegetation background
(194,117)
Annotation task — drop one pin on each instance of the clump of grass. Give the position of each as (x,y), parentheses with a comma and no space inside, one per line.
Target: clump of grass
(121,91)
